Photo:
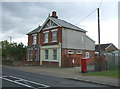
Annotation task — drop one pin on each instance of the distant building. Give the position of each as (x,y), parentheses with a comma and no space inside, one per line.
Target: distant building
(105,47)
(60,43)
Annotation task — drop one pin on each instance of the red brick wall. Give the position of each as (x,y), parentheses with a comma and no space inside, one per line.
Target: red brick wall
(30,39)
(59,36)
(67,58)
(49,63)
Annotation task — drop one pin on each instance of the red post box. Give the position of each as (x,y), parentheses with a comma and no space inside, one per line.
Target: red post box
(83,65)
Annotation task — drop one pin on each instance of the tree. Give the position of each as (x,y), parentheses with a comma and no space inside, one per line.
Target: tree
(13,51)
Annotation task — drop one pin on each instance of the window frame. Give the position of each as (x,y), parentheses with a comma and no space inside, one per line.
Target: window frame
(29,55)
(46,33)
(87,54)
(54,36)
(46,54)
(78,52)
(70,52)
(34,38)
(55,55)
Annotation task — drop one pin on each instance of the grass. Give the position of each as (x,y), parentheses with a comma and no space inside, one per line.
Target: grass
(109,73)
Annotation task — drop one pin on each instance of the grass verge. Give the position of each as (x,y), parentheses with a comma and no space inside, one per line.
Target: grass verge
(114,73)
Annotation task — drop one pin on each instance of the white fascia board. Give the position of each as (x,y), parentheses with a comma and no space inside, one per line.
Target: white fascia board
(44,24)
(55,22)
(46,32)
(54,30)
(108,46)
(34,34)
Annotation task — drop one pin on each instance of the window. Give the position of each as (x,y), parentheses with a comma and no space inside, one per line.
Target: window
(79,52)
(54,35)
(46,54)
(70,51)
(55,54)
(46,37)
(34,39)
(87,55)
(36,55)
(29,55)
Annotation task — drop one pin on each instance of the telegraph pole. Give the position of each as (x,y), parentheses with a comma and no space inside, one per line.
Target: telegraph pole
(99,59)
(10,38)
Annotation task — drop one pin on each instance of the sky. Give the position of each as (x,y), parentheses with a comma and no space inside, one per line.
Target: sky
(19,18)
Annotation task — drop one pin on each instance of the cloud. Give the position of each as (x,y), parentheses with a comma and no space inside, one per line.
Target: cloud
(19,18)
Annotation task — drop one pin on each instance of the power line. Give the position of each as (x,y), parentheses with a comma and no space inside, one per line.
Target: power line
(86,16)
(90,13)
(100,3)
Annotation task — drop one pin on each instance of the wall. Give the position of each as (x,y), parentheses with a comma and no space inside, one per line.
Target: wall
(90,45)
(67,58)
(73,39)
(50,57)
(59,37)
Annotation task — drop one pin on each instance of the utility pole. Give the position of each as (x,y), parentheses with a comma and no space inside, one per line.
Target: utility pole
(99,59)
(10,38)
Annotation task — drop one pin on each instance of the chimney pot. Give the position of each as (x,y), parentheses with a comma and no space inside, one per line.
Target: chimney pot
(54,14)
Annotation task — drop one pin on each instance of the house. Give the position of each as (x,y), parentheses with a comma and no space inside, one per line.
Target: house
(60,43)
(105,47)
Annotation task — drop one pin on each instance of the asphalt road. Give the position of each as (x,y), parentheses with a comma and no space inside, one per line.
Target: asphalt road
(16,78)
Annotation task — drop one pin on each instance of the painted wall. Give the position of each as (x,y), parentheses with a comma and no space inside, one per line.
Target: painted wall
(90,45)
(50,57)
(73,39)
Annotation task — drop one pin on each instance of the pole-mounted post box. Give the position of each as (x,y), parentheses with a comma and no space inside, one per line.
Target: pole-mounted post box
(83,65)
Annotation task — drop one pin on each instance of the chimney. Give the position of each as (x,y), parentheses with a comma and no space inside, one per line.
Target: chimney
(54,14)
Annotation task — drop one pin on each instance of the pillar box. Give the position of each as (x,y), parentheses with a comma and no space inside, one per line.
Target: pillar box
(83,65)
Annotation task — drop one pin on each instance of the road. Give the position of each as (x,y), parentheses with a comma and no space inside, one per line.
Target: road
(17,78)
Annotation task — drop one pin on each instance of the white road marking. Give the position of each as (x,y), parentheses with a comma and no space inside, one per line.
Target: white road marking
(31,81)
(16,82)
(23,80)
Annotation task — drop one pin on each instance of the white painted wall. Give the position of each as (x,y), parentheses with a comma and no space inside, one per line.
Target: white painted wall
(73,39)
(50,57)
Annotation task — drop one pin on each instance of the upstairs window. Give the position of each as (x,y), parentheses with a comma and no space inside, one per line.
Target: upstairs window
(54,35)
(34,38)
(46,37)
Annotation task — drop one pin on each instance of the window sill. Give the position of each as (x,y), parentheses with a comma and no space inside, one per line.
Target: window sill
(45,42)
(53,41)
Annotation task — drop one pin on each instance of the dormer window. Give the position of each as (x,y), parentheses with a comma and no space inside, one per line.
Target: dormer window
(34,38)
(54,35)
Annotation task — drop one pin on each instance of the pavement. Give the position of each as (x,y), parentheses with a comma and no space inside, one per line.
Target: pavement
(72,73)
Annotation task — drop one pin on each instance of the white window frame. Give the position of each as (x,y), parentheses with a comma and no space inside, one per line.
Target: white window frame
(79,52)
(46,39)
(72,52)
(55,30)
(55,54)
(87,54)
(36,55)
(47,54)
(34,38)
(29,55)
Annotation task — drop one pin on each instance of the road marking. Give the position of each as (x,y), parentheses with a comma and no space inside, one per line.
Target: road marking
(24,82)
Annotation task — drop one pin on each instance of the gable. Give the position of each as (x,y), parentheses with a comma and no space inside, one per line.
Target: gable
(49,24)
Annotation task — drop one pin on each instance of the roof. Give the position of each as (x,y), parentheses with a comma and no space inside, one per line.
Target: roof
(35,30)
(103,46)
(63,23)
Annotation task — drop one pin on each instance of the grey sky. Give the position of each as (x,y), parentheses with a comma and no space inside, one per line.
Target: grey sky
(18,18)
